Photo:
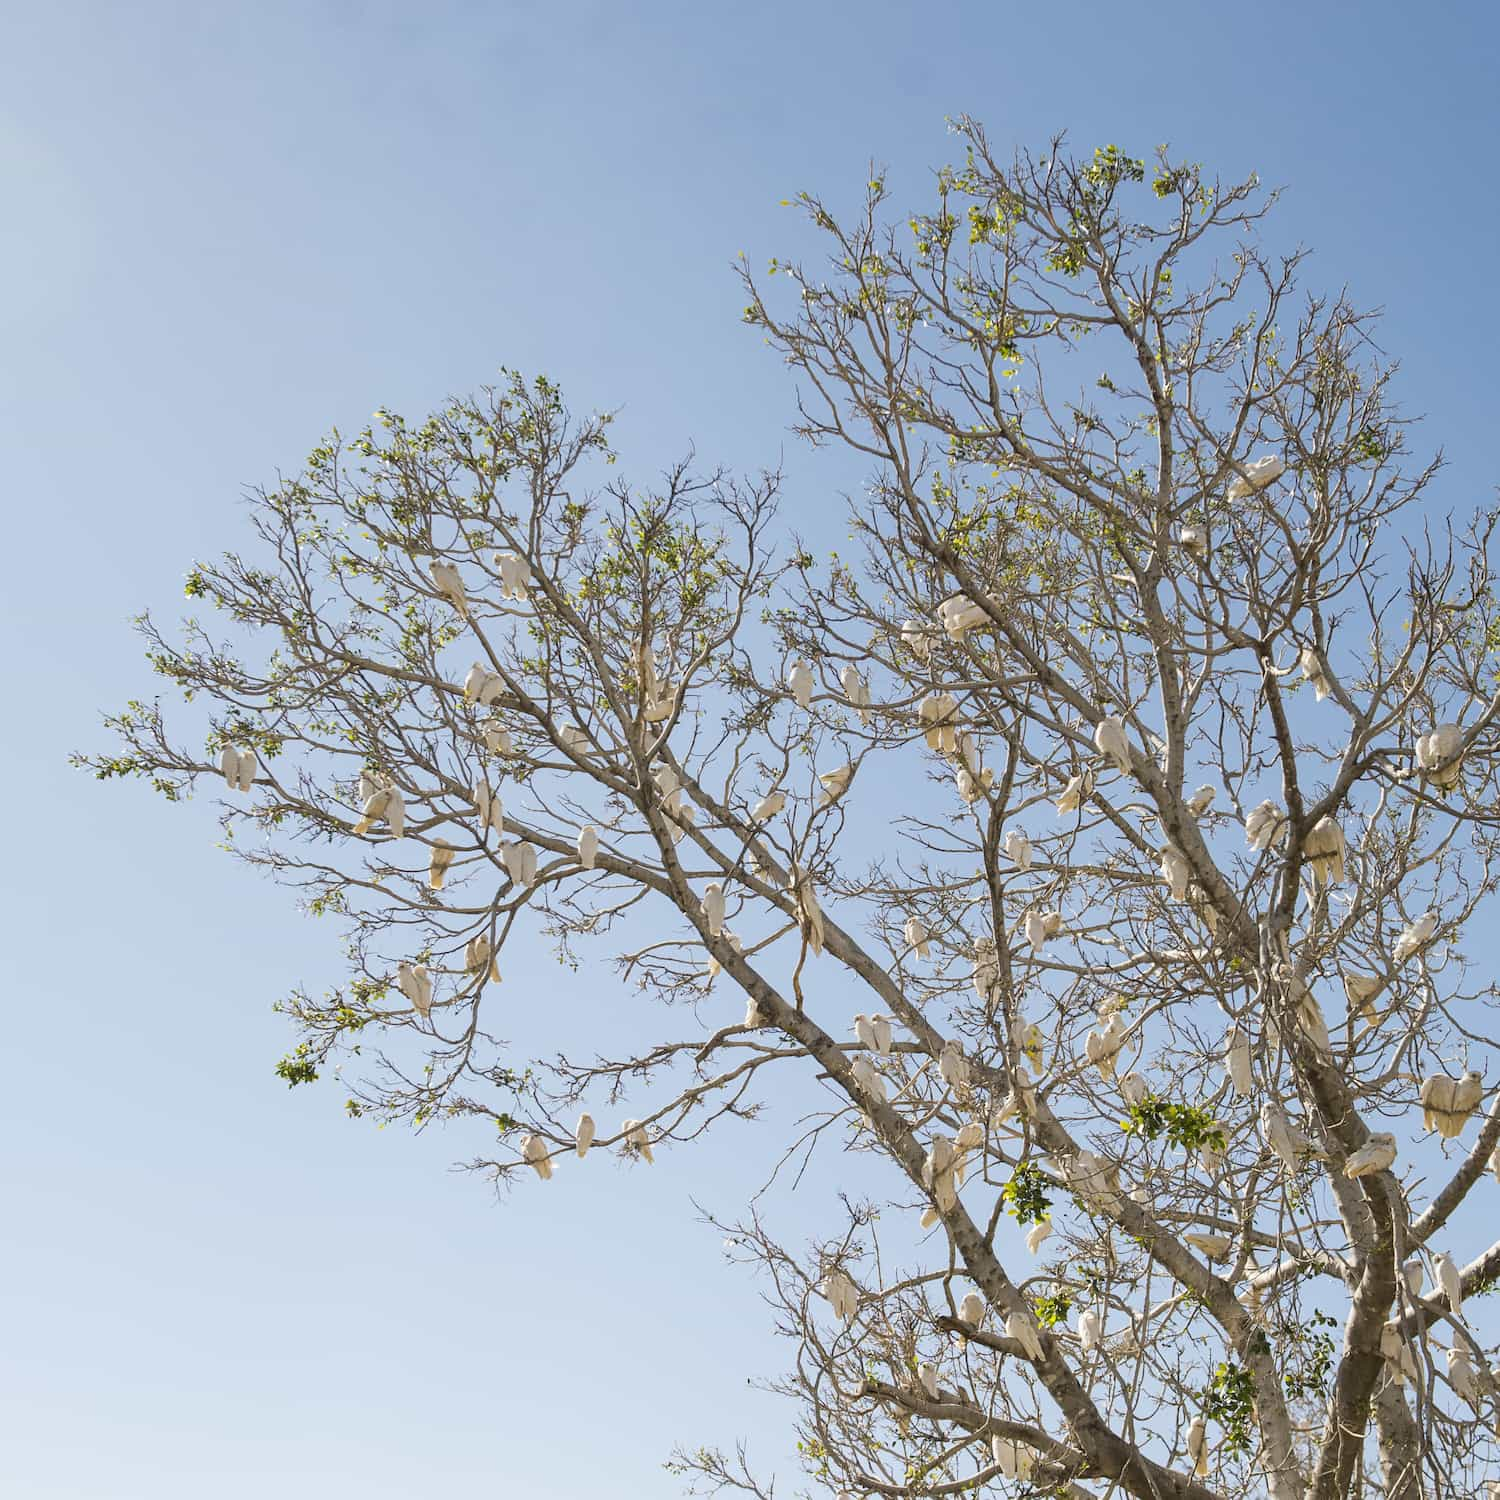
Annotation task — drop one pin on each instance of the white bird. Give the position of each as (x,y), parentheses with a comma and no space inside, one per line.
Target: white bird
(799,682)
(515,575)
(927,1373)
(1310,1022)
(953,1066)
(1256,476)
(1361,990)
(583,1134)
(1134,1088)
(474,683)
(809,913)
(238,767)
(395,813)
(1103,1047)
(438,862)
(480,959)
(1090,1329)
(1094,1180)
(1013,1458)
(497,739)
(1237,1061)
(971,1309)
(1194,541)
(1175,871)
(1111,742)
(1449,1282)
(864,1032)
(637,1140)
(1281,1135)
(1375,1155)
(669,784)
(1018,849)
(1036,1234)
(1414,1274)
(1447,1103)
(588,845)
(986,972)
(490,808)
(713,963)
(1214,1246)
(1461,1376)
(937,1172)
(1313,671)
(1266,825)
(1078,790)
(1026,1036)
(1325,851)
(768,807)
(573,739)
(713,908)
(936,713)
(959,615)
(755,1017)
(1201,800)
(881,1026)
(972,786)
(917,937)
(1018,1325)
(916,639)
(841,1294)
(519,859)
(450,584)
(415,983)
(857,691)
(1197,1445)
(867,1076)
(373,809)
(1035,927)
(1397,1353)
(1441,746)
(1211,1157)
(836,783)
(1416,937)
(534,1151)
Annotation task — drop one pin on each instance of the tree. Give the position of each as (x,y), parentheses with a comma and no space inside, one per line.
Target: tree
(1139,516)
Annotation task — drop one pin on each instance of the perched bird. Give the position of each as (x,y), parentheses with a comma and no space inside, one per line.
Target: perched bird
(519,859)
(1414,1275)
(1026,1037)
(588,845)
(1397,1353)
(881,1027)
(497,739)
(583,1134)
(1134,1088)
(1256,475)
(1175,871)
(1461,1376)
(971,1309)
(1094,1180)
(713,963)
(482,685)
(936,713)
(238,767)
(1194,541)
(713,908)
(1018,1325)
(1111,742)
(636,1140)
(1315,672)
(1036,1234)
(857,691)
(1201,800)
(927,1373)
(836,783)
(573,739)
(755,1017)
(479,958)
(373,809)
(986,971)
(534,1152)
(1211,1157)
(1103,1047)
(841,1294)
(1017,849)
(669,784)
(438,862)
(1197,1445)
(1416,937)
(799,683)
(937,1172)
(1214,1246)
(867,1076)
(1375,1155)
(864,1032)
(1447,1103)
(953,1066)
(1266,825)
(1281,1135)
(1438,755)
(1237,1061)
(1449,1282)
(916,639)
(809,913)
(1090,1329)
(1309,1018)
(917,937)
(515,575)
(415,983)
(448,581)
(1035,928)
(768,807)
(1012,1457)
(488,806)
(1078,790)
(1361,990)
(1325,851)
(959,615)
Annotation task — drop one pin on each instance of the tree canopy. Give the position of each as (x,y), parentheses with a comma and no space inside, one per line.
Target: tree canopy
(1095,844)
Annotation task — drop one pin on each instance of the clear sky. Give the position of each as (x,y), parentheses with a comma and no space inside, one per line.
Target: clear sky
(227,228)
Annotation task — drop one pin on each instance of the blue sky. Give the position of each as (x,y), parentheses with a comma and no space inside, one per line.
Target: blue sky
(226,229)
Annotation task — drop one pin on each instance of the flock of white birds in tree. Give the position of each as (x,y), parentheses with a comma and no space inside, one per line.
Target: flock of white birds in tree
(1447,1103)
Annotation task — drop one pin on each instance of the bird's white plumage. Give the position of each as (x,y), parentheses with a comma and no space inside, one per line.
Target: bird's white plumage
(713,908)
(1018,849)
(1416,937)
(438,863)
(768,807)
(583,1134)
(1438,755)
(1078,790)
(1019,1326)
(1256,475)
(1111,741)
(1267,824)
(836,783)
(857,691)
(917,937)
(588,846)
(799,682)
(1376,1155)
(534,1153)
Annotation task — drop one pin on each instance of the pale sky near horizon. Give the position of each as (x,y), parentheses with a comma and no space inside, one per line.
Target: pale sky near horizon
(227,229)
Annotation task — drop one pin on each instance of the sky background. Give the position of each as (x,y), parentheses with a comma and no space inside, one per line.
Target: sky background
(226,229)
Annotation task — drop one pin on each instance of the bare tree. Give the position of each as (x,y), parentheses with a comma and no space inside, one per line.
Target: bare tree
(1184,1081)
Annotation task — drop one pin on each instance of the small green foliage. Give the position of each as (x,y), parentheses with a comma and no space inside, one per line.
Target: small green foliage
(1052,1308)
(298,1066)
(1188,1126)
(1314,1344)
(1026,1195)
(1111,166)
(1230,1401)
